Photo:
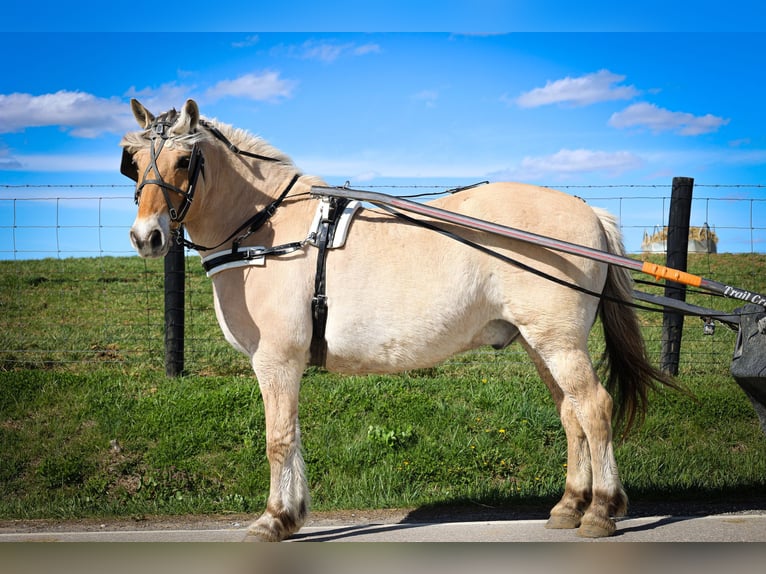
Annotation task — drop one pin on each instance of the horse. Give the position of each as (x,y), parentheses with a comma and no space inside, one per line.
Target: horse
(398,296)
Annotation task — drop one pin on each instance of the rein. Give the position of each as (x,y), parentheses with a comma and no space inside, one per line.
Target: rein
(730,319)
(248,227)
(256,221)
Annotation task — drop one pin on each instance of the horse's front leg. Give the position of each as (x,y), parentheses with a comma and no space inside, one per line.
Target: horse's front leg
(288,502)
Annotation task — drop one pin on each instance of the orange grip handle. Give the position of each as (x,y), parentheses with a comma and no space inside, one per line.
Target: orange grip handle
(662,272)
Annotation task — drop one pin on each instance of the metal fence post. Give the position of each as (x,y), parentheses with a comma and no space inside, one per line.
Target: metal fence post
(175,276)
(677,249)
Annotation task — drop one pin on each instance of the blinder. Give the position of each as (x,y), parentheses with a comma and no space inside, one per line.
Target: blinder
(127,167)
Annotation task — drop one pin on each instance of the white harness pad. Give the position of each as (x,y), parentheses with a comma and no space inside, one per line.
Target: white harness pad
(250,254)
(342,225)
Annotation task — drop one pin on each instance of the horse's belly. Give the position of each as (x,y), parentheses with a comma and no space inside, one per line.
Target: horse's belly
(380,349)
(390,357)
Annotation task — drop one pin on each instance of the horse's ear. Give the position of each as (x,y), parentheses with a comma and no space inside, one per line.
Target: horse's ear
(143,116)
(190,115)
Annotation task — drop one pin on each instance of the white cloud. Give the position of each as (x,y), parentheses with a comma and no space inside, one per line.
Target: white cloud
(158,100)
(267,86)
(659,119)
(7,161)
(329,51)
(365,49)
(323,51)
(568,162)
(564,164)
(427,96)
(581,91)
(366,167)
(247,42)
(108,162)
(83,114)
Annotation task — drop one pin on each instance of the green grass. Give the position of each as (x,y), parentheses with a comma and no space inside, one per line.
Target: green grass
(90,426)
(77,314)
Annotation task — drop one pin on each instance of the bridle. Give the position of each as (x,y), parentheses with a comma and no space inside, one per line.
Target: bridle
(196,166)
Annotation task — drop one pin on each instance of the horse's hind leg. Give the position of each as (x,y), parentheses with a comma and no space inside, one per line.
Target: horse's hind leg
(585,400)
(288,502)
(592,406)
(578,490)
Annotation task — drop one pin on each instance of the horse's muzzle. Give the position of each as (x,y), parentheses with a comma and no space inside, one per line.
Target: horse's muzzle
(151,237)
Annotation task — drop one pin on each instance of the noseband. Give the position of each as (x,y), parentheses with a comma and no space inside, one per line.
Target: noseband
(196,166)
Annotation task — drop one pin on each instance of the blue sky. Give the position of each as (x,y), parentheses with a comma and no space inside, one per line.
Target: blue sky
(404,108)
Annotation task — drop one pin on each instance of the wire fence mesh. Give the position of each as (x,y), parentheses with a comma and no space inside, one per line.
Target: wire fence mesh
(72,292)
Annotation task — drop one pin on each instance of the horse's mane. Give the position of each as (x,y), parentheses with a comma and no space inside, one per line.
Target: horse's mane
(241,138)
(244,140)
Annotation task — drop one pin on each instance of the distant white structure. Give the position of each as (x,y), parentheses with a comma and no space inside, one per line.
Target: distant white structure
(701,240)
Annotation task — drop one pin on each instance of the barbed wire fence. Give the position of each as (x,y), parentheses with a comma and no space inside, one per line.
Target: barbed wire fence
(73,293)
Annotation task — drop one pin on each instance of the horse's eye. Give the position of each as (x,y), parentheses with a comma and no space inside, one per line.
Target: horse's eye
(183,162)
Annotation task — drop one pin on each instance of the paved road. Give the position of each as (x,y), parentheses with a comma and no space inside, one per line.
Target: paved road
(729,527)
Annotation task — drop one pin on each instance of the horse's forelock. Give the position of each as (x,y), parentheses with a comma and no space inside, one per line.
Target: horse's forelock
(179,134)
(170,117)
(182,124)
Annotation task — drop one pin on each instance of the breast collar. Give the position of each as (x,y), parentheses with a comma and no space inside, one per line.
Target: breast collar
(338,221)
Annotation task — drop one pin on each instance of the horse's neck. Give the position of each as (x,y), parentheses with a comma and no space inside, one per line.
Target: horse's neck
(234,198)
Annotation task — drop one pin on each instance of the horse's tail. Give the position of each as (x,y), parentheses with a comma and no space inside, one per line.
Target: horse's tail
(628,374)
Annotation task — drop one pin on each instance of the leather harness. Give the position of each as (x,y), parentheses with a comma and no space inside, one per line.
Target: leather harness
(324,238)
(238,256)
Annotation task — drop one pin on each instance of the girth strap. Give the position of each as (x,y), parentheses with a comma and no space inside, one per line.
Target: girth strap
(335,207)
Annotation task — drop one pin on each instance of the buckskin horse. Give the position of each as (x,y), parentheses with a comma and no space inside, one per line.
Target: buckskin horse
(393,296)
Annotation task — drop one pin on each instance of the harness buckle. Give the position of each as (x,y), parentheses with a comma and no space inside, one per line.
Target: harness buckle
(327,209)
(319,303)
(253,253)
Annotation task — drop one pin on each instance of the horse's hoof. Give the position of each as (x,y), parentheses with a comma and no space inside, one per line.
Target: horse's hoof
(259,535)
(597,529)
(275,528)
(251,536)
(262,531)
(558,522)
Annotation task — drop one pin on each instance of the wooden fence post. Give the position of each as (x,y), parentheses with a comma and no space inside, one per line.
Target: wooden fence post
(175,277)
(677,249)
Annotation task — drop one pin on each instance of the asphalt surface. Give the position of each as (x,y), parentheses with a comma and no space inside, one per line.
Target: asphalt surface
(747,526)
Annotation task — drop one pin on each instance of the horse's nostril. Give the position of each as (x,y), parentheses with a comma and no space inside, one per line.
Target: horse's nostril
(134,238)
(155,239)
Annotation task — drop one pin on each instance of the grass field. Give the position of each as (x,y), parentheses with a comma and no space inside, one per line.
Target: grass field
(90,426)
